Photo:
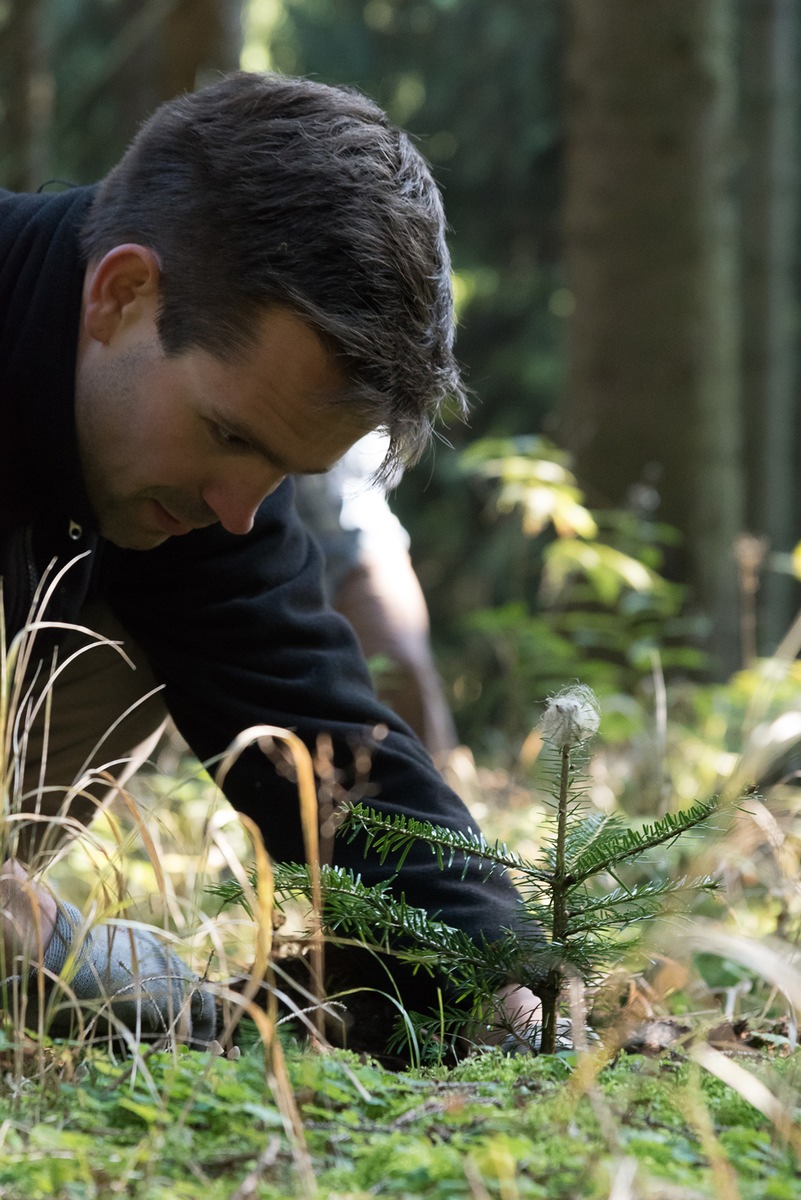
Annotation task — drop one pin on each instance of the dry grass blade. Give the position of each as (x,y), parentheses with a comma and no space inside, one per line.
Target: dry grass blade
(280,1086)
(623,1179)
(249,1187)
(307,793)
(589,1064)
(26,700)
(752,1090)
(766,741)
(265,906)
(771,960)
(16,659)
(723,1174)
(141,828)
(478,1189)
(790,646)
(21,702)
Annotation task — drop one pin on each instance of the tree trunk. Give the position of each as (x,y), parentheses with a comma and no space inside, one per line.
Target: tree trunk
(201,39)
(770,197)
(652,413)
(147,52)
(27,87)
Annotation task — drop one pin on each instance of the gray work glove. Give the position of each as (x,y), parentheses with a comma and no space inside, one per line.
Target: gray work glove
(129,977)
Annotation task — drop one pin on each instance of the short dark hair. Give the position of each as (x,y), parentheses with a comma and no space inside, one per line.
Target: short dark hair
(262,189)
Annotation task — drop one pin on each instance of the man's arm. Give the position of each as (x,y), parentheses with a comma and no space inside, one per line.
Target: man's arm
(237,630)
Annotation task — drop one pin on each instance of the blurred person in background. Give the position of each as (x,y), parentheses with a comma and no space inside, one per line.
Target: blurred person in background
(370,580)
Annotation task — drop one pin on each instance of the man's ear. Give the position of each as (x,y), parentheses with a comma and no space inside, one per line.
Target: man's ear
(119,288)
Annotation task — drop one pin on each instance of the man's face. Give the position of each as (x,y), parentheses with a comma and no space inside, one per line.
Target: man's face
(173,444)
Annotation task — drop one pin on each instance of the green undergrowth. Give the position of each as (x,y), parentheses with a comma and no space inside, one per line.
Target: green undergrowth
(190,1125)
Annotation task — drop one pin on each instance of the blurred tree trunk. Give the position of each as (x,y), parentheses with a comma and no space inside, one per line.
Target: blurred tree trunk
(145,53)
(27,89)
(192,42)
(770,31)
(201,39)
(652,413)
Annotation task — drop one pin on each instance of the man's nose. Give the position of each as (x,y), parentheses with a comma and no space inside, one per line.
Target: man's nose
(235,503)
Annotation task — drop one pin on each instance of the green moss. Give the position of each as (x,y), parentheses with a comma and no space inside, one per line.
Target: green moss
(190,1125)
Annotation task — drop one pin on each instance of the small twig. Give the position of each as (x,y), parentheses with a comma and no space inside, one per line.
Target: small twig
(268,1158)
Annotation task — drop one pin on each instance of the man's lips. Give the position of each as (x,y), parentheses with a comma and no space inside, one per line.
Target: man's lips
(167,522)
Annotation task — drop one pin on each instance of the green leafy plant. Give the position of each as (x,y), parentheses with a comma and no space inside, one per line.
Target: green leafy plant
(592,603)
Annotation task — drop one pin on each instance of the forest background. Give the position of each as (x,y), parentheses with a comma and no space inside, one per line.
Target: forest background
(622,188)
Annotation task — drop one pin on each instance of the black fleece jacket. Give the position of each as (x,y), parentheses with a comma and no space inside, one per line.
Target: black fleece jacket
(234,627)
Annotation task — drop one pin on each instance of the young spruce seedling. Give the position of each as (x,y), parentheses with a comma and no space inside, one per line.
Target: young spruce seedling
(571,923)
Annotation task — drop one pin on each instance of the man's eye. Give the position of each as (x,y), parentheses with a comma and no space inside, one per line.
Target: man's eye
(224,437)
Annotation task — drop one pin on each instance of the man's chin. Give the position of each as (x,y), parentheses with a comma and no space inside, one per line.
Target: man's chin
(132,539)
(143,524)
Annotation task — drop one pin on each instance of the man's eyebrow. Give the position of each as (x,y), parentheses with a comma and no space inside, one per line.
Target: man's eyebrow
(243,431)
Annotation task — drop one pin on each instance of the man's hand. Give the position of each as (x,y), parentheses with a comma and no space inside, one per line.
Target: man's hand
(28,915)
(517,1007)
(514,1010)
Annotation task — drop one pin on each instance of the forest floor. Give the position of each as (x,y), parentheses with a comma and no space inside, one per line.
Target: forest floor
(184,1124)
(709,1110)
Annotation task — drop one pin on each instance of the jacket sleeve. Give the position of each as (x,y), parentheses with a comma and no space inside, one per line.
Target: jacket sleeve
(238,631)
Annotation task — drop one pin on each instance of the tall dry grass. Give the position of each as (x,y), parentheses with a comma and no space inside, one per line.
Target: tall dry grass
(143,864)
